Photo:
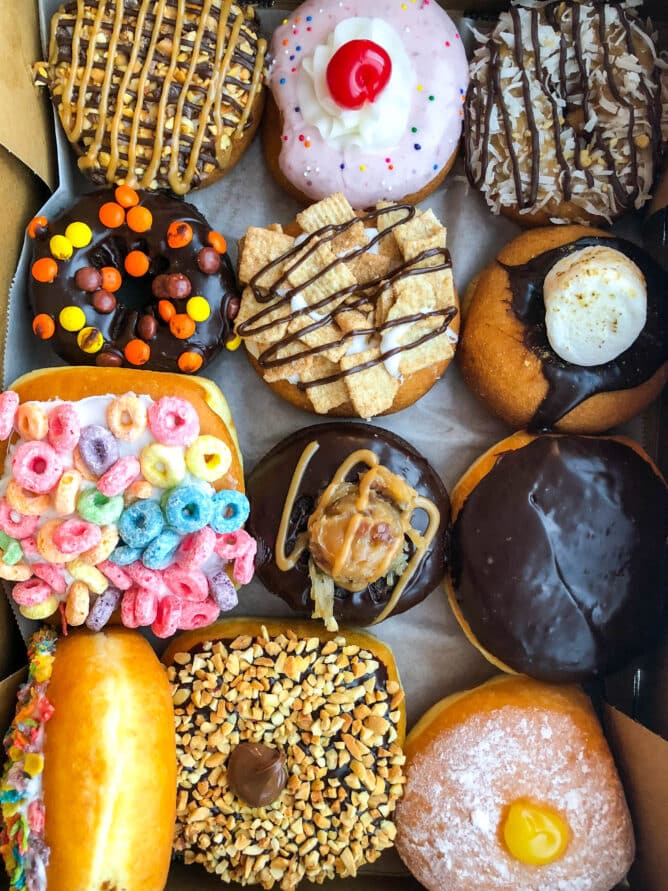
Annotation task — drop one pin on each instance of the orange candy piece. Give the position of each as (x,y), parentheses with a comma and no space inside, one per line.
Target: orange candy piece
(166,309)
(139,219)
(179,234)
(182,326)
(43,326)
(136,264)
(189,363)
(111,215)
(44,270)
(111,278)
(137,352)
(126,196)
(217,242)
(36,225)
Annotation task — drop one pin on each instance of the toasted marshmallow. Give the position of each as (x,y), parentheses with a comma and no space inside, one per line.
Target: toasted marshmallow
(595,305)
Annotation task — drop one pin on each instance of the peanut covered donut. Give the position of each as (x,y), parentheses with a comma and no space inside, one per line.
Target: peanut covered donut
(512,785)
(367,100)
(563,112)
(167,95)
(131,278)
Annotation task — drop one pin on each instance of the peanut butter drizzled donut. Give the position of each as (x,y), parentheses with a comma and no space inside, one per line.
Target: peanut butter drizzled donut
(166,95)
(563,112)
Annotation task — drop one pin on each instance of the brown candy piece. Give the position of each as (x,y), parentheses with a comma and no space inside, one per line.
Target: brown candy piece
(233,308)
(178,286)
(256,773)
(88,279)
(160,287)
(108,359)
(104,301)
(208,260)
(147,327)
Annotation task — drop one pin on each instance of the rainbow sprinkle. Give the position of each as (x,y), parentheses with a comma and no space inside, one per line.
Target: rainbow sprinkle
(22,844)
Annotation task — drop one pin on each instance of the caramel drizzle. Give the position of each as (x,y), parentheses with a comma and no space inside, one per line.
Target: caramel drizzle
(483,106)
(189,150)
(253,326)
(421,541)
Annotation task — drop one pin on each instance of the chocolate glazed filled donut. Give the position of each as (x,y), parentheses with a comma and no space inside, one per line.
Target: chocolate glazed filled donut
(355,511)
(131,278)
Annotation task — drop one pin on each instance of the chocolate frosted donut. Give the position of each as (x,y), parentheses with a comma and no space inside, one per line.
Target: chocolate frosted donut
(388,567)
(558,555)
(189,78)
(556,124)
(131,278)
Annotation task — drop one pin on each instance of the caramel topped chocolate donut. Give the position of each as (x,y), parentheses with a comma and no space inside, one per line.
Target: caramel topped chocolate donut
(131,278)
(563,112)
(350,522)
(558,555)
(189,78)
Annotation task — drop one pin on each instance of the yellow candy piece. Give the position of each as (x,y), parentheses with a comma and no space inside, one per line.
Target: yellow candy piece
(92,577)
(15,754)
(61,248)
(41,610)
(233,344)
(198,309)
(72,318)
(162,465)
(79,234)
(33,764)
(8,810)
(90,340)
(208,458)
(535,833)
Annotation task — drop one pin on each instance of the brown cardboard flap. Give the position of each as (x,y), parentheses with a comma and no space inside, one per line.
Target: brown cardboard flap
(12,651)
(642,760)
(26,124)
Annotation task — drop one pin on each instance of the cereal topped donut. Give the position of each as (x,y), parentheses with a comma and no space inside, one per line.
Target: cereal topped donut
(563,112)
(189,78)
(367,100)
(131,278)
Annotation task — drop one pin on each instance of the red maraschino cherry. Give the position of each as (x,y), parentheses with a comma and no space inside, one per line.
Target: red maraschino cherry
(357,73)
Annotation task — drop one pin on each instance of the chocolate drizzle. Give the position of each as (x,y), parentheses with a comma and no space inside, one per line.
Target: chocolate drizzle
(267,489)
(573,92)
(189,83)
(135,302)
(559,557)
(569,385)
(281,294)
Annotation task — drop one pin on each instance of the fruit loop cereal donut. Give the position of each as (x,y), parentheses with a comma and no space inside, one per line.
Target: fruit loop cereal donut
(153,526)
(367,100)
(167,95)
(131,278)
(563,112)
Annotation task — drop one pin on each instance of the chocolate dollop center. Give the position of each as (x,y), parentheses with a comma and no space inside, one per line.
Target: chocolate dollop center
(257,773)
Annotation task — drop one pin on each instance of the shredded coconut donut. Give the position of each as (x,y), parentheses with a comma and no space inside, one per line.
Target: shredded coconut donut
(563,111)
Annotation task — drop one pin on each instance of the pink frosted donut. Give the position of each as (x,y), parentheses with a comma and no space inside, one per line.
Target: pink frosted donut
(370,95)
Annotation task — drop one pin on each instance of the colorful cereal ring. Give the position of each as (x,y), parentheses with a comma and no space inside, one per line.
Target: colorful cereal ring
(41,610)
(146,607)
(140,523)
(17,572)
(127,417)
(76,536)
(168,618)
(208,458)
(67,490)
(77,605)
(15,524)
(161,550)
(128,608)
(31,592)
(162,465)
(25,502)
(198,615)
(123,555)
(188,509)
(98,448)
(240,547)
(108,540)
(46,545)
(189,585)
(103,608)
(119,476)
(230,511)
(36,466)
(137,490)
(10,550)
(64,427)
(9,403)
(145,577)
(196,548)
(31,421)
(115,574)
(173,421)
(51,575)
(92,576)
(98,508)
(222,590)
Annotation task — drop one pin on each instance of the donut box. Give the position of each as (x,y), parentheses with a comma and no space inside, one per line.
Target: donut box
(447,426)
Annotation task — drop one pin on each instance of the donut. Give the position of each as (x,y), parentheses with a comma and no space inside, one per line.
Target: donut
(557,555)
(88,792)
(349,315)
(198,68)
(567,329)
(556,128)
(131,278)
(512,785)
(323,551)
(289,750)
(366,98)
(121,503)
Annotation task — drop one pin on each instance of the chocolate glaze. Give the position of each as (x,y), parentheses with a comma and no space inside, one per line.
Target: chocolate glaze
(109,247)
(267,488)
(559,559)
(655,236)
(569,385)
(256,773)
(483,97)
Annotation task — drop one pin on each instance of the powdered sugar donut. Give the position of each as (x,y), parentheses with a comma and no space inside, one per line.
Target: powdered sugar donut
(367,99)
(512,785)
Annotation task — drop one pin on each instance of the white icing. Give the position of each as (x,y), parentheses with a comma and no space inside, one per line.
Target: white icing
(357,344)
(390,339)
(376,125)
(595,305)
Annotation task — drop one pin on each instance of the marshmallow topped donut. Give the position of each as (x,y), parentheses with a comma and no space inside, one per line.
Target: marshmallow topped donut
(367,100)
